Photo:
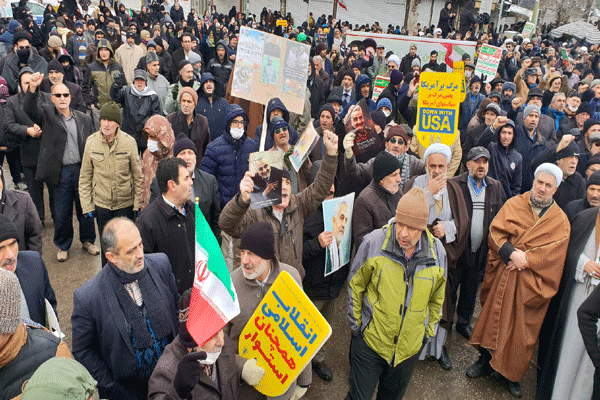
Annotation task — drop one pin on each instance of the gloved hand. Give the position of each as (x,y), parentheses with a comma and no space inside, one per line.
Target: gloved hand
(119,79)
(286,157)
(299,392)
(188,373)
(348,143)
(91,214)
(252,373)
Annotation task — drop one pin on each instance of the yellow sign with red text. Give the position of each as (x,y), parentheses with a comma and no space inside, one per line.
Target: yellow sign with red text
(284,333)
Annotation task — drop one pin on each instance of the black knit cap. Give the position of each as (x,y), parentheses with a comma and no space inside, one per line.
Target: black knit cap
(594,179)
(585,107)
(184,311)
(571,150)
(7,229)
(593,160)
(259,239)
(54,65)
(384,165)
(182,142)
(588,124)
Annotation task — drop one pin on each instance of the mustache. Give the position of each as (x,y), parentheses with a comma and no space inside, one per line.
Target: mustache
(8,261)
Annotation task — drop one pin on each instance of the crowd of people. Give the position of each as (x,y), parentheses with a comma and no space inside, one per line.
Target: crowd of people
(128,116)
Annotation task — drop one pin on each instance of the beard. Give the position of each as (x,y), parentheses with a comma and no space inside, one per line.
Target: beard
(257,271)
(540,203)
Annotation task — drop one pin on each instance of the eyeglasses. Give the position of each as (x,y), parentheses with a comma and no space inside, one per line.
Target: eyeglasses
(264,168)
(238,122)
(59,95)
(282,129)
(397,140)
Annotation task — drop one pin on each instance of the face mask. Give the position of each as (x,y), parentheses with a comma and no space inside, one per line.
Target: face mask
(236,133)
(23,55)
(468,74)
(386,113)
(153,146)
(211,358)
(110,30)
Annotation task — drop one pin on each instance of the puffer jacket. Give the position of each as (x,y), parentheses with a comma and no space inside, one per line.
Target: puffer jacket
(395,318)
(506,163)
(237,216)
(111,176)
(275,103)
(98,79)
(227,159)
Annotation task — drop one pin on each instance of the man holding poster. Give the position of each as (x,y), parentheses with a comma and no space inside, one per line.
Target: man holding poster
(260,267)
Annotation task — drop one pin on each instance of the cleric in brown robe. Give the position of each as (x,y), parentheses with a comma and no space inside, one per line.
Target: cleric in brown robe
(528,244)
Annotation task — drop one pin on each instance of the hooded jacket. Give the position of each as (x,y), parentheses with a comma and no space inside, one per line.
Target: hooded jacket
(227,159)
(360,81)
(98,78)
(467,20)
(11,69)
(506,163)
(275,103)
(506,104)
(215,111)
(220,69)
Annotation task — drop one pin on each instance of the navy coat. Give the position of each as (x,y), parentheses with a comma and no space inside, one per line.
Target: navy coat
(33,277)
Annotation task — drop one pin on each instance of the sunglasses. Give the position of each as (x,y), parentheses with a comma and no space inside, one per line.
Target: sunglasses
(264,168)
(395,140)
(59,95)
(279,130)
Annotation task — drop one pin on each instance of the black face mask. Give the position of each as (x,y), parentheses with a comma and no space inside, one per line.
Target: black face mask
(23,55)
(110,30)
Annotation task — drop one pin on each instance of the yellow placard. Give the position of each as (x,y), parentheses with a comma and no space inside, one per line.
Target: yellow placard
(284,333)
(281,22)
(459,68)
(438,106)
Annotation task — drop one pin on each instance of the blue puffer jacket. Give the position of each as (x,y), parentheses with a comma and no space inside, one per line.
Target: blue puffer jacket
(273,104)
(227,159)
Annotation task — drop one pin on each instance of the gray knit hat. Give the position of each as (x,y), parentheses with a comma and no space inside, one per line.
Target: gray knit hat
(10,302)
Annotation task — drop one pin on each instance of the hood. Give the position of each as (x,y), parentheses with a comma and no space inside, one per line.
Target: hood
(508,85)
(161,128)
(205,77)
(66,56)
(512,144)
(105,43)
(360,81)
(275,103)
(12,25)
(235,111)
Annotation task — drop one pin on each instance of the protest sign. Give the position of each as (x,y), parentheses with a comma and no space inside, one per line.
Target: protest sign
(528,29)
(488,61)
(214,301)
(438,104)
(304,146)
(268,66)
(564,54)
(449,51)
(284,333)
(268,167)
(337,216)
(381,82)
(360,123)
(459,68)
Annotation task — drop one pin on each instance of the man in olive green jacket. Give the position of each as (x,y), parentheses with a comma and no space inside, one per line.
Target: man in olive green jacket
(391,321)
(110,181)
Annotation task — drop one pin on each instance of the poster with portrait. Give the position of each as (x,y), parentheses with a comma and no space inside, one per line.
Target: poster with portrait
(268,66)
(360,123)
(337,216)
(304,146)
(267,167)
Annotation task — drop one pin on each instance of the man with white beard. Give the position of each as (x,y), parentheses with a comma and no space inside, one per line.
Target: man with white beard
(259,269)
(448,221)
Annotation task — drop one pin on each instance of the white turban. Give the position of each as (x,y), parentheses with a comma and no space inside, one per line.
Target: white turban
(551,169)
(438,148)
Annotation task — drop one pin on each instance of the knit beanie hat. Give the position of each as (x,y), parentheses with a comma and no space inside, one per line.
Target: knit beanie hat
(594,83)
(259,239)
(384,102)
(585,107)
(110,110)
(593,160)
(182,142)
(588,124)
(329,108)
(535,92)
(349,73)
(384,165)
(7,229)
(494,108)
(473,80)
(191,92)
(415,63)
(277,122)
(10,302)
(54,65)
(60,378)
(594,179)
(379,118)
(356,64)
(413,210)
(151,44)
(531,108)
(396,77)
(184,309)
(396,130)
(571,150)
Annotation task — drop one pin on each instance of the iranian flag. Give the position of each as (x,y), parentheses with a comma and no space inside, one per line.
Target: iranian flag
(342,4)
(214,302)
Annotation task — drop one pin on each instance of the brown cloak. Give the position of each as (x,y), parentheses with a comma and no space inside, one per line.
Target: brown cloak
(514,303)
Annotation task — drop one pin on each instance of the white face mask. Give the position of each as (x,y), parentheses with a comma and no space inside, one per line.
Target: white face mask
(386,113)
(236,133)
(468,74)
(211,357)
(153,146)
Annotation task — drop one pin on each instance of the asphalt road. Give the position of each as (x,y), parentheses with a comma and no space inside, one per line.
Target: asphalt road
(429,380)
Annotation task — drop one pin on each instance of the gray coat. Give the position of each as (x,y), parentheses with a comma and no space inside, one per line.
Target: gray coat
(18,207)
